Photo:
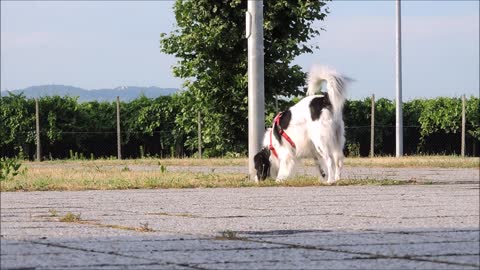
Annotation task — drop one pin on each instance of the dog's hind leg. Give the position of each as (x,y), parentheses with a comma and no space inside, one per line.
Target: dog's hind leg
(338,160)
(324,159)
(321,167)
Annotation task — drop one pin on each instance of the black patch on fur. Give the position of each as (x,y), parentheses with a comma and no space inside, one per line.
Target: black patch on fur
(285,119)
(317,105)
(262,164)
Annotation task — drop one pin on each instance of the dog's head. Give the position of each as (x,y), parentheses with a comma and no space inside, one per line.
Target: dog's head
(262,164)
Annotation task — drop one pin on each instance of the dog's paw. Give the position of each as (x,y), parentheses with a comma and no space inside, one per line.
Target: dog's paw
(331,181)
(280,180)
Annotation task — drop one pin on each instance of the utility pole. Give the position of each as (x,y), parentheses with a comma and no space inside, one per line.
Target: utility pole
(398,100)
(463,127)
(199,135)
(256,95)
(119,146)
(37,128)
(372,128)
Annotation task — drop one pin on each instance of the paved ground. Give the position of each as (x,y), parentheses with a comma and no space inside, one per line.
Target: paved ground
(362,227)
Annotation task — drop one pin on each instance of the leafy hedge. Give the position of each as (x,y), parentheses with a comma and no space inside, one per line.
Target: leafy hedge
(431,126)
(166,126)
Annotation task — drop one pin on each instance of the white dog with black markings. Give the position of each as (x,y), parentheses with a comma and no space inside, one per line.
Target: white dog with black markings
(312,128)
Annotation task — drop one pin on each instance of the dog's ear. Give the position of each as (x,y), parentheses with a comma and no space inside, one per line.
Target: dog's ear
(262,157)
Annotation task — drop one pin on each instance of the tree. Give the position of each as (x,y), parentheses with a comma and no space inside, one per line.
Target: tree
(17,124)
(210,43)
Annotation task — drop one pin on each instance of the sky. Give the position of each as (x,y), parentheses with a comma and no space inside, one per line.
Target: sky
(106,44)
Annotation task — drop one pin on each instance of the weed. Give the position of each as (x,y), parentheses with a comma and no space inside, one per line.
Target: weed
(126,169)
(228,234)
(70,217)
(144,227)
(41,184)
(10,167)
(53,212)
(163,168)
(98,168)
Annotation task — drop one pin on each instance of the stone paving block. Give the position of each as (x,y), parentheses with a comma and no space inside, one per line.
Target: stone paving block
(417,249)
(107,266)
(153,245)
(372,264)
(13,247)
(62,230)
(251,255)
(335,238)
(462,259)
(67,259)
(462,235)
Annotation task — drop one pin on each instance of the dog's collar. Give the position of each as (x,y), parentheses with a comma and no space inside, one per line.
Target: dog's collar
(276,121)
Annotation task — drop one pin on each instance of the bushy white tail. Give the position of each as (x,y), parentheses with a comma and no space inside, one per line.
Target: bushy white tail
(336,85)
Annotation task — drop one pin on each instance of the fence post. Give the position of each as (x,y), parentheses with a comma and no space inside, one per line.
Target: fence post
(119,147)
(199,135)
(372,128)
(37,128)
(463,126)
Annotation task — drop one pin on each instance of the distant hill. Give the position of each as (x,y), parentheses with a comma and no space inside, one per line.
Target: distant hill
(126,93)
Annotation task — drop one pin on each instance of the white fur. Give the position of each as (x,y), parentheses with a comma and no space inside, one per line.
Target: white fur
(322,139)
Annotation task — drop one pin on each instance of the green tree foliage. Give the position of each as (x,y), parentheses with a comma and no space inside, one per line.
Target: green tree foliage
(440,121)
(472,114)
(211,48)
(17,123)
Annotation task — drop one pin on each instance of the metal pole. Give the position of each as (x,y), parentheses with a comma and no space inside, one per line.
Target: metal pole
(199,135)
(37,135)
(372,128)
(398,101)
(119,147)
(463,126)
(256,95)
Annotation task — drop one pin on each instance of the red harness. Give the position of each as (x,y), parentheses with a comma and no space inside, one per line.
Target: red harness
(276,121)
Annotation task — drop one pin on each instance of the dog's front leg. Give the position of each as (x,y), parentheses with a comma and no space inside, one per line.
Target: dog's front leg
(330,169)
(285,169)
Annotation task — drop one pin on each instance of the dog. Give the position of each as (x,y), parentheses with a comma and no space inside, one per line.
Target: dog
(312,128)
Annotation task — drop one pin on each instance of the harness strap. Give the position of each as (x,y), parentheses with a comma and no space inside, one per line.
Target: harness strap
(276,121)
(272,149)
(282,132)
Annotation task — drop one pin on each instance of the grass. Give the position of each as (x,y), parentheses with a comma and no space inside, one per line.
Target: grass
(228,235)
(53,212)
(415,161)
(75,218)
(390,162)
(111,178)
(120,174)
(70,217)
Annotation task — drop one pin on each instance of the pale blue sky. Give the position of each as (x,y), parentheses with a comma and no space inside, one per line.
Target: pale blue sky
(107,44)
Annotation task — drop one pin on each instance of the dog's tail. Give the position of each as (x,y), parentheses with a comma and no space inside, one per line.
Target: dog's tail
(335,82)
